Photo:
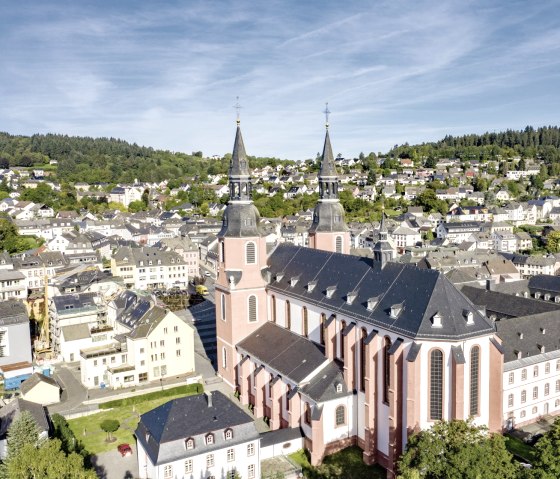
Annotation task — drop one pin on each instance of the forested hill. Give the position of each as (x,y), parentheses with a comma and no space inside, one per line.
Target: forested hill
(107,159)
(543,143)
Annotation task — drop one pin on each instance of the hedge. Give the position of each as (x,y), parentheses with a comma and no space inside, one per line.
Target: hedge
(186,390)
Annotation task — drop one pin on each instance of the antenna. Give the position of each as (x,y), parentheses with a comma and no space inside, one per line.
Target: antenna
(327,112)
(237,107)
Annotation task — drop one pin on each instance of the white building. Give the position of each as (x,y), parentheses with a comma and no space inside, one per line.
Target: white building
(221,442)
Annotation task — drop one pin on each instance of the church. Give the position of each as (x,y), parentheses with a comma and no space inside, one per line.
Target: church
(354,351)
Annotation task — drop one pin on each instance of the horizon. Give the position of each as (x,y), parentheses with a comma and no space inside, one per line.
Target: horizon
(167,76)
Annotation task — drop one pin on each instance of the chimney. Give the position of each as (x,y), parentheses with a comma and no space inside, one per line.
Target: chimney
(208,397)
(490,285)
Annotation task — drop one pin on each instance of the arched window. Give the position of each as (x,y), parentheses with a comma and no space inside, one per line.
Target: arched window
(475,375)
(288,316)
(273,306)
(339,244)
(386,370)
(307,413)
(189,443)
(304,320)
(342,328)
(222,251)
(363,360)
(340,416)
(322,328)
(210,439)
(252,304)
(228,434)
(250,253)
(224,358)
(288,391)
(223,306)
(436,385)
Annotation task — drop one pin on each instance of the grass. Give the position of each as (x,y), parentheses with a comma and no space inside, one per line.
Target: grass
(349,460)
(517,447)
(87,430)
(184,390)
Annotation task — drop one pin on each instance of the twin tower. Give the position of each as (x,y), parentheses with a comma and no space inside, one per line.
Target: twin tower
(241,299)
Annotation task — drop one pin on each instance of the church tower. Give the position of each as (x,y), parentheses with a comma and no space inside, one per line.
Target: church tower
(383,250)
(328,231)
(240,287)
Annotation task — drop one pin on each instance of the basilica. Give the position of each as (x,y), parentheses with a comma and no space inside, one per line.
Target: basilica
(352,350)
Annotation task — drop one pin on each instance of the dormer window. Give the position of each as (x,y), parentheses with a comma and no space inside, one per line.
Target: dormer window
(541,347)
(396,310)
(311,286)
(543,330)
(279,277)
(294,280)
(209,439)
(339,388)
(351,296)
(520,335)
(372,303)
(469,316)
(189,443)
(437,321)
(228,434)
(330,291)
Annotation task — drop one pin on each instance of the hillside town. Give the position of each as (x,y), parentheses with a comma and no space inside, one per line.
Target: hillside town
(307,331)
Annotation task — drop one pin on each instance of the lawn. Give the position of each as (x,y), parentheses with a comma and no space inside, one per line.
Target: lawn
(349,461)
(88,432)
(517,447)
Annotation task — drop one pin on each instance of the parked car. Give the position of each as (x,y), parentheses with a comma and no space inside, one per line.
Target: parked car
(124,449)
(207,273)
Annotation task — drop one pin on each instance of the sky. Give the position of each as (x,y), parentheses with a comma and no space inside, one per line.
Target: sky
(167,74)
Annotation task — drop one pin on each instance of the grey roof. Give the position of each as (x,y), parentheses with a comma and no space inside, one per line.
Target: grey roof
(35,379)
(12,312)
(288,353)
(507,305)
(163,430)
(239,166)
(328,217)
(12,410)
(322,387)
(528,334)
(280,436)
(328,168)
(423,292)
(241,220)
(67,302)
(148,322)
(75,332)
(10,274)
(545,283)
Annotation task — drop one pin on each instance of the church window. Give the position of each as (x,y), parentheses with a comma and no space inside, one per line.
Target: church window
(222,251)
(250,253)
(363,360)
(305,322)
(342,328)
(252,308)
(339,244)
(475,372)
(288,391)
(340,416)
(223,306)
(322,328)
(386,370)
(307,413)
(273,306)
(288,315)
(436,385)
(224,358)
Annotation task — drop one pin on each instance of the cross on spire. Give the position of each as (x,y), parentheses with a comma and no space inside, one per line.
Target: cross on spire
(237,107)
(327,112)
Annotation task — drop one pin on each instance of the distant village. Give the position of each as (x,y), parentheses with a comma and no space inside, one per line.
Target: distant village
(109,292)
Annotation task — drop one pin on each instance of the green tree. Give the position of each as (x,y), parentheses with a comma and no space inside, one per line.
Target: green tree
(23,430)
(110,426)
(553,242)
(135,206)
(546,463)
(457,450)
(48,461)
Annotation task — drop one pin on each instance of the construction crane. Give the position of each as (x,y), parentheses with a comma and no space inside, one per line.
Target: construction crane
(43,344)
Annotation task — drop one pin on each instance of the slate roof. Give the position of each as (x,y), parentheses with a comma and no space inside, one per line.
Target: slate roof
(148,322)
(163,430)
(322,387)
(531,326)
(12,410)
(280,436)
(12,312)
(328,168)
(68,302)
(423,292)
(545,283)
(288,353)
(507,305)
(35,379)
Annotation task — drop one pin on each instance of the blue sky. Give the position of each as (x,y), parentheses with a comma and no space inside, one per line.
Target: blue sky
(166,74)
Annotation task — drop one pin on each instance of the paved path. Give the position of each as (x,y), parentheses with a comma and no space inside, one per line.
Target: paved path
(111,465)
